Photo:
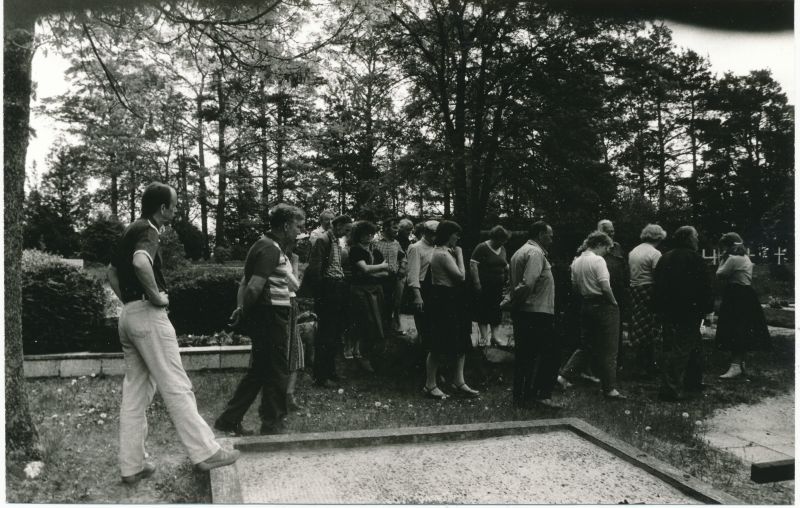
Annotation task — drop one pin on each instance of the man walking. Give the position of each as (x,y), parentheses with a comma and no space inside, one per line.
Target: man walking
(683,295)
(150,347)
(264,308)
(324,279)
(533,307)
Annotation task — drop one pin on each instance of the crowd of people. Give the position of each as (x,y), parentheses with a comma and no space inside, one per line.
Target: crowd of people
(359,275)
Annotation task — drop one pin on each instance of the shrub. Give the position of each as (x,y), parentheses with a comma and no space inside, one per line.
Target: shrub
(172,252)
(99,239)
(192,239)
(222,253)
(201,299)
(62,307)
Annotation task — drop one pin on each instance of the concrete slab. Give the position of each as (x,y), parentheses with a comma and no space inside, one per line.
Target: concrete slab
(113,366)
(234,360)
(543,461)
(79,367)
(751,454)
(201,360)
(41,368)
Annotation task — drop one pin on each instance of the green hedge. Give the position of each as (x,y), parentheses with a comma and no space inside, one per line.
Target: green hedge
(62,307)
(201,299)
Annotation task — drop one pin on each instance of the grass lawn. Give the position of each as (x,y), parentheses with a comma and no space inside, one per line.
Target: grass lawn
(78,423)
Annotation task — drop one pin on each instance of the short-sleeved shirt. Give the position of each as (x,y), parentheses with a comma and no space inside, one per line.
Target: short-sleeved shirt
(491,265)
(736,270)
(444,268)
(529,265)
(140,236)
(588,271)
(359,253)
(642,261)
(266,259)
(391,252)
(419,260)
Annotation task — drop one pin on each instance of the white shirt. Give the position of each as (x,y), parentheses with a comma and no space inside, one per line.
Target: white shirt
(588,271)
(642,261)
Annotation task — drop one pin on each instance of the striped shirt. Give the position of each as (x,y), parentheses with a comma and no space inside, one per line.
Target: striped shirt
(334,269)
(391,251)
(266,259)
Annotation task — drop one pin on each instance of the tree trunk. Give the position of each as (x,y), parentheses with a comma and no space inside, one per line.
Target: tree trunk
(262,118)
(202,196)
(132,194)
(280,141)
(21,434)
(114,187)
(222,125)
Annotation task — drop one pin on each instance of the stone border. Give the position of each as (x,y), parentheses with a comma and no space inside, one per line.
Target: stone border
(113,364)
(226,489)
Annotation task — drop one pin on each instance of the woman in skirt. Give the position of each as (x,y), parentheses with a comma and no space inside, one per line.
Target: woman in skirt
(368,270)
(450,324)
(741,325)
(488,266)
(645,327)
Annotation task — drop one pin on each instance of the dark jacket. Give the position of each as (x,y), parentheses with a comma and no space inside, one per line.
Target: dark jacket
(683,285)
(318,260)
(617,263)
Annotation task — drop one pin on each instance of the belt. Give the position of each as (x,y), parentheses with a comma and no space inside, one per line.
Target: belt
(594,298)
(141,298)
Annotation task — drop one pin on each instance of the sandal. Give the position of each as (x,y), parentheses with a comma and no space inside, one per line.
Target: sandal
(429,393)
(465,391)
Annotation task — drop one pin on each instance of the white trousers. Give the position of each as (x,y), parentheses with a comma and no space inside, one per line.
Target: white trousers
(152,360)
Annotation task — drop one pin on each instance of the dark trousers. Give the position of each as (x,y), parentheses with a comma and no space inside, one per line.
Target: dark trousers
(682,358)
(600,333)
(389,286)
(330,302)
(536,356)
(268,372)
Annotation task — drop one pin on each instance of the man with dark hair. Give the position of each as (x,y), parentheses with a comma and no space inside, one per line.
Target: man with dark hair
(617,264)
(683,295)
(150,347)
(393,254)
(264,306)
(324,279)
(536,354)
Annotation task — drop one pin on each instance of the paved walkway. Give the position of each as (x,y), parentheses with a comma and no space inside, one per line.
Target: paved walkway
(756,433)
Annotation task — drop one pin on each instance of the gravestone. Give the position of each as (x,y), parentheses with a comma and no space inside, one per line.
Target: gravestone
(561,461)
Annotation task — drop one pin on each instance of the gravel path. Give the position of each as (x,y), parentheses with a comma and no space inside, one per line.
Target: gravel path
(551,468)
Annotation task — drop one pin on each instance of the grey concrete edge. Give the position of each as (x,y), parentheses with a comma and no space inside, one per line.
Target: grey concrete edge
(682,481)
(89,359)
(225,486)
(373,437)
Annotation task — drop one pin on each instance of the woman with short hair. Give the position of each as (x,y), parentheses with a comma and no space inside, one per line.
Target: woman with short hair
(645,327)
(599,316)
(488,267)
(368,270)
(741,326)
(450,326)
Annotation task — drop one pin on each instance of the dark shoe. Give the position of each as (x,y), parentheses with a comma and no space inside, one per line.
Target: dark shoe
(146,472)
(465,391)
(236,430)
(430,393)
(219,459)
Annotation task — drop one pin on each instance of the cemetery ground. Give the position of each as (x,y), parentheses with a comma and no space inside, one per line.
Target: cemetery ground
(78,423)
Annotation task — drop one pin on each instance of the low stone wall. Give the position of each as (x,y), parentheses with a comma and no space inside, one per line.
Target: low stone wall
(113,364)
